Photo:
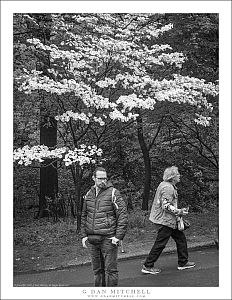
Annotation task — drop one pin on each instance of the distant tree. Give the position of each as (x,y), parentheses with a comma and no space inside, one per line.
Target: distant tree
(196,35)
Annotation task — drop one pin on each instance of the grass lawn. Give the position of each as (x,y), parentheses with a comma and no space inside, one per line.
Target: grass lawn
(40,244)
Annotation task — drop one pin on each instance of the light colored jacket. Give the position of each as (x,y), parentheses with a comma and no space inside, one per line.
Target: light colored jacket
(164,209)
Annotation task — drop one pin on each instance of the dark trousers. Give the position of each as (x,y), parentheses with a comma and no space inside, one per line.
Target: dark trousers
(163,235)
(104,263)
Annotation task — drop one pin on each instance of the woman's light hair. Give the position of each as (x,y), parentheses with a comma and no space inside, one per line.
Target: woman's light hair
(169,173)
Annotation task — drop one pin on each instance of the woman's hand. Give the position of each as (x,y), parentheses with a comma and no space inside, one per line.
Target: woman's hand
(183,211)
(84,242)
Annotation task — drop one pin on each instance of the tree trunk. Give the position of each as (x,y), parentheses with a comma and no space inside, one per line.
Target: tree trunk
(48,174)
(77,175)
(78,202)
(147,164)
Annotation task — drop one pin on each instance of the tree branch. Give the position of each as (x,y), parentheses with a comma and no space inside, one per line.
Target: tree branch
(157,132)
(200,149)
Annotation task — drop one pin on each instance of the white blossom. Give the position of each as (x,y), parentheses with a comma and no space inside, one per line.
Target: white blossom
(109,40)
(27,155)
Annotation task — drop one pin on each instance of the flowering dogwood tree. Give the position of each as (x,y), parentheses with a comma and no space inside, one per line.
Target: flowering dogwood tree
(104,69)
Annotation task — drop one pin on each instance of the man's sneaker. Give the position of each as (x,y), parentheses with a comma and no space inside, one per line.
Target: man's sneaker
(151,270)
(188,265)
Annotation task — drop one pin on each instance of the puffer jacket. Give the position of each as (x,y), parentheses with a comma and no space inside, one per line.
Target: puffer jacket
(99,216)
(164,209)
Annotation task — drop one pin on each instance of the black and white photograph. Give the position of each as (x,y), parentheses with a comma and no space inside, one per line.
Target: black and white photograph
(113,115)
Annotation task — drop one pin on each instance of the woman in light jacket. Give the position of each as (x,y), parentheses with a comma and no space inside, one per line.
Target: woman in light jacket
(164,213)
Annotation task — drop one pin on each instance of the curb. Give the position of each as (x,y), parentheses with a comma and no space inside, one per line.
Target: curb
(193,247)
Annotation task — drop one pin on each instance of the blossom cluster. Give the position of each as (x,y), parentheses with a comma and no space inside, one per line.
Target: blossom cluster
(98,52)
(202,120)
(107,82)
(118,115)
(84,155)
(86,118)
(54,51)
(34,81)
(172,58)
(26,155)
(181,89)
(132,101)
(65,117)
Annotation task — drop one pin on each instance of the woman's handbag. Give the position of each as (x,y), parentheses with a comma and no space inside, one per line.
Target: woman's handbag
(95,239)
(182,224)
(186,224)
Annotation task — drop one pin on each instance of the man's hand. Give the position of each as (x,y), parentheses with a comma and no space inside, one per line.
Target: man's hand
(84,241)
(114,240)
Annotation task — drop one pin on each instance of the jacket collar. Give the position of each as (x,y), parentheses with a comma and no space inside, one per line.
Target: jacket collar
(175,187)
(94,189)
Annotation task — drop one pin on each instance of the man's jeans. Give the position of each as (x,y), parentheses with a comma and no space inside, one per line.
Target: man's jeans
(163,235)
(104,263)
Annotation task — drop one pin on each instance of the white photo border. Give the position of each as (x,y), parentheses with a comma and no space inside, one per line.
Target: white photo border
(7,10)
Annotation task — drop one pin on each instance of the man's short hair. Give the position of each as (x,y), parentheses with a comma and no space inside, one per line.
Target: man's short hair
(169,173)
(98,169)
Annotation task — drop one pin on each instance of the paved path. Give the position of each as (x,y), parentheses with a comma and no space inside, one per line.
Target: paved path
(205,274)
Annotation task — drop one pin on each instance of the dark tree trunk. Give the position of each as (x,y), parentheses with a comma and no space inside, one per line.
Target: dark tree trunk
(77,174)
(130,203)
(48,125)
(78,202)
(147,164)
(48,172)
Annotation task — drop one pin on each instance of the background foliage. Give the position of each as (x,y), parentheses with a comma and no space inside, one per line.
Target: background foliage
(167,130)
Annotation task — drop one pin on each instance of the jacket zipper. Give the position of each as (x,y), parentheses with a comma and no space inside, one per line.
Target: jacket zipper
(94,213)
(108,221)
(96,205)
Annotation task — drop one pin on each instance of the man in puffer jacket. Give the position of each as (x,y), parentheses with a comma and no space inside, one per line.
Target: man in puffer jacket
(164,213)
(103,224)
